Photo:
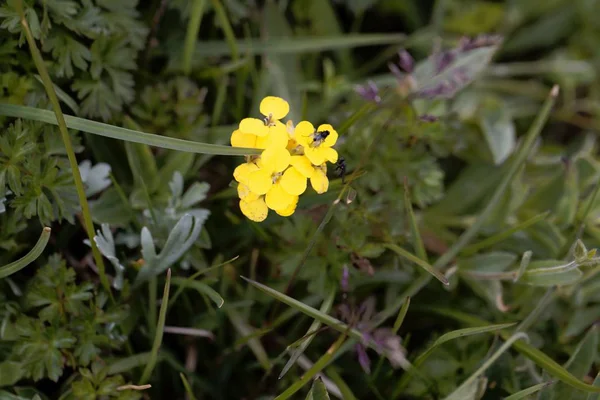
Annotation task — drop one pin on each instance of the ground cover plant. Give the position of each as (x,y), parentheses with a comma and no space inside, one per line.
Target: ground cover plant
(352,199)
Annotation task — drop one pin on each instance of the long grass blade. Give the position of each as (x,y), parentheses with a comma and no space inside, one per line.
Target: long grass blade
(162,316)
(418,245)
(28,258)
(192,34)
(523,394)
(60,120)
(314,327)
(129,135)
(245,330)
(188,388)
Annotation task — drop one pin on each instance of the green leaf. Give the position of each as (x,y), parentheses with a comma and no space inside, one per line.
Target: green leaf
(10,373)
(595,396)
(550,274)
(181,238)
(498,128)
(318,391)
(30,257)
(115,132)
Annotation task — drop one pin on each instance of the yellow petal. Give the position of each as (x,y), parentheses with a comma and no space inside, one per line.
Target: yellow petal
(330,154)
(240,139)
(242,172)
(315,154)
(255,210)
(275,159)
(293,181)
(303,133)
(260,181)
(275,107)
(331,138)
(244,193)
(278,136)
(262,142)
(286,212)
(278,199)
(254,126)
(319,181)
(303,165)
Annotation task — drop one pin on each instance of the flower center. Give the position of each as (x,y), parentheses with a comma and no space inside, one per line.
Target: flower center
(275,177)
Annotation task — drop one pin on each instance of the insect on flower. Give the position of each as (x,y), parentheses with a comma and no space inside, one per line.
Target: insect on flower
(319,137)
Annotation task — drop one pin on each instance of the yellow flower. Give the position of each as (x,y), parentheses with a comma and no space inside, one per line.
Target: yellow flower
(270,128)
(242,172)
(318,179)
(317,142)
(256,210)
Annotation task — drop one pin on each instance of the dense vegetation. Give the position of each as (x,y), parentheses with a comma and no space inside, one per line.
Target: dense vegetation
(445,251)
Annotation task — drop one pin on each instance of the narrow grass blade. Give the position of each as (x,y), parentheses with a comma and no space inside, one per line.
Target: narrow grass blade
(227,29)
(192,34)
(401,314)
(315,326)
(522,394)
(318,391)
(66,138)
(311,312)
(201,288)
(188,388)
(255,345)
(474,248)
(456,395)
(423,264)
(292,45)
(28,258)
(162,316)
(115,132)
(314,370)
(459,333)
(414,226)
(128,363)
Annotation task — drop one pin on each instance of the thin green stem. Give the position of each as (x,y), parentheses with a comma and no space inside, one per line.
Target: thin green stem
(192,34)
(48,85)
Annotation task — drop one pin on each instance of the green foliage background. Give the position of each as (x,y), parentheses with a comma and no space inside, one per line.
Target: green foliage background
(466,169)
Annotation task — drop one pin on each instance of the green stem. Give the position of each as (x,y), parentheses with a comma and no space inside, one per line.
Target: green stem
(192,34)
(85,209)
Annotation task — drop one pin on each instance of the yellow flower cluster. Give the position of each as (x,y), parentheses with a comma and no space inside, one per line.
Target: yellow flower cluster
(291,155)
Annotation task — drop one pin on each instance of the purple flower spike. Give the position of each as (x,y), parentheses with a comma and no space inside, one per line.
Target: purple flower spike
(369,92)
(443,60)
(363,357)
(407,63)
(345,279)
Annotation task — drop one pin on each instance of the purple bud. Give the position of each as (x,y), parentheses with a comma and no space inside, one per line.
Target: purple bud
(428,118)
(363,358)
(443,60)
(345,278)
(369,92)
(407,63)
(396,71)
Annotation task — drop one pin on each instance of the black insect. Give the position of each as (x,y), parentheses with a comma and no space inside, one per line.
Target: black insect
(340,168)
(319,137)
